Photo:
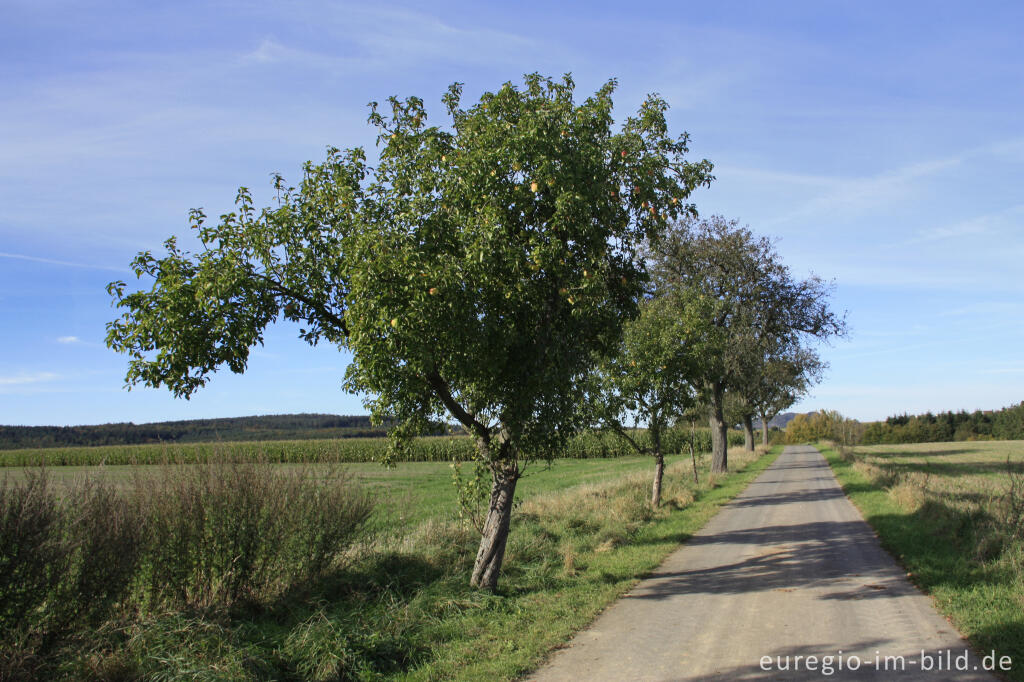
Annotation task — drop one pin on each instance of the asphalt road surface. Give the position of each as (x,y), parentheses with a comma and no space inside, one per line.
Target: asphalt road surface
(786,582)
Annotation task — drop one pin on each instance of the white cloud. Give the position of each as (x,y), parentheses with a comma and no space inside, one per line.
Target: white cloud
(68,339)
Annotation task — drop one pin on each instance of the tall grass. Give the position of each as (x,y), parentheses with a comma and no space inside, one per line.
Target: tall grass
(198,539)
(204,600)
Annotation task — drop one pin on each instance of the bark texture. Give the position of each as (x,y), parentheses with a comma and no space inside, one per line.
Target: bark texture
(719,441)
(659,472)
(748,432)
(504,476)
(764,430)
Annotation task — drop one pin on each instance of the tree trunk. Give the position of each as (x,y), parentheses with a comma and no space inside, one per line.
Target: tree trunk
(764,429)
(719,442)
(693,456)
(659,462)
(659,471)
(748,432)
(504,477)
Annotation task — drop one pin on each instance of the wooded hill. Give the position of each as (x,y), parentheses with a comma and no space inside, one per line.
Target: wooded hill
(264,427)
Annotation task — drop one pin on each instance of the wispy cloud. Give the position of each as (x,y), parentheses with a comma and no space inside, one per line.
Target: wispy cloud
(62,263)
(896,275)
(27,379)
(760,175)
(1010,218)
(398,34)
(855,195)
(382,38)
(986,309)
(68,339)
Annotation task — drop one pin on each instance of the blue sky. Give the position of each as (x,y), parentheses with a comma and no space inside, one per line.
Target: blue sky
(880,144)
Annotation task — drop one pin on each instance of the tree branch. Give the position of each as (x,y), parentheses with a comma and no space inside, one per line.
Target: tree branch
(443,391)
(619,430)
(338,322)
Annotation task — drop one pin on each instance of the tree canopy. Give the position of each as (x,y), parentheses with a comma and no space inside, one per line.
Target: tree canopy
(754,309)
(475,271)
(648,379)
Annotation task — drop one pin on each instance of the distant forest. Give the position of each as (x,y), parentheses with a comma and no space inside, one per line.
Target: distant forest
(267,427)
(1004,424)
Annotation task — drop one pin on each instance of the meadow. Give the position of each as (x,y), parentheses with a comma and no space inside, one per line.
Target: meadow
(393,601)
(953,515)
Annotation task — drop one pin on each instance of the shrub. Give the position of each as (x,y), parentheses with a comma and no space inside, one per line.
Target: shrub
(32,551)
(224,532)
(65,562)
(189,537)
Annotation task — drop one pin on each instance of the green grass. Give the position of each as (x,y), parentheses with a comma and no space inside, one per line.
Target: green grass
(407,494)
(948,513)
(398,606)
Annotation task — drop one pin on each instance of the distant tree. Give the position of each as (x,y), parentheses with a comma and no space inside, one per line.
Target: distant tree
(738,410)
(784,377)
(747,296)
(475,271)
(648,381)
(822,425)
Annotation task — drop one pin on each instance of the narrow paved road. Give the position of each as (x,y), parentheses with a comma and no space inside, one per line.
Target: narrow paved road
(788,569)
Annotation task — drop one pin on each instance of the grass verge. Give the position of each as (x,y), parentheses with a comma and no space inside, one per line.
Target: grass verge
(951,515)
(397,605)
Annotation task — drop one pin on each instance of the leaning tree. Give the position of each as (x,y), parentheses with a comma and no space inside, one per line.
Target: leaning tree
(474,271)
(750,299)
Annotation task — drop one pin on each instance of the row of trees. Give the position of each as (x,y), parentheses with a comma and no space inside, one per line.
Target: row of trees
(1004,424)
(526,270)
(723,333)
(263,427)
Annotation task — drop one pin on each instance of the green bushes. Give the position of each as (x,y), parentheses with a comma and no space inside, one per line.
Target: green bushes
(197,538)
(587,445)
